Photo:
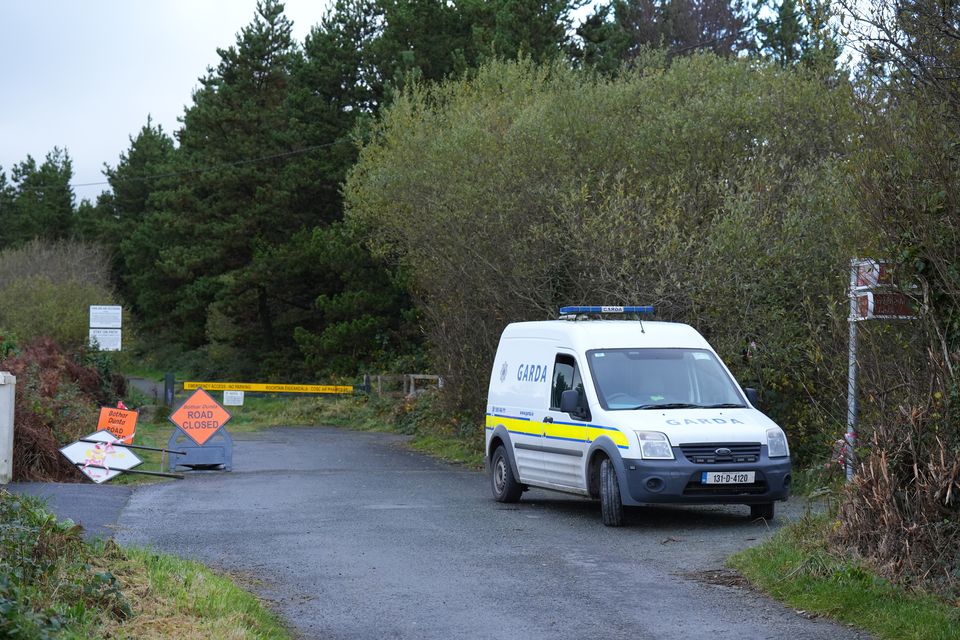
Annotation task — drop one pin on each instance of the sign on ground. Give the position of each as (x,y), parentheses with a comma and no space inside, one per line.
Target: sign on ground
(91,458)
(200,416)
(269,388)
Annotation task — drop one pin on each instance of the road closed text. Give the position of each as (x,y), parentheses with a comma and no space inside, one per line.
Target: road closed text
(200,420)
(200,417)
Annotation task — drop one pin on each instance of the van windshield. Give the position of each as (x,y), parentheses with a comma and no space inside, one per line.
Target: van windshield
(661,379)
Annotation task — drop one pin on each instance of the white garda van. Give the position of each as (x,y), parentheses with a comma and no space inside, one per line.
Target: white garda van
(630,412)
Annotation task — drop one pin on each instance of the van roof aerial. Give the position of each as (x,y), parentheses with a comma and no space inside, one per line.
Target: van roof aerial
(573,311)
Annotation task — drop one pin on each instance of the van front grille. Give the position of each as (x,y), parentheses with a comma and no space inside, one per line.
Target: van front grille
(697,489)
(713,453)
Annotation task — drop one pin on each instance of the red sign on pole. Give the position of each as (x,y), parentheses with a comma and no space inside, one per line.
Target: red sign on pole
(200,416)
(879,293)
(888,305)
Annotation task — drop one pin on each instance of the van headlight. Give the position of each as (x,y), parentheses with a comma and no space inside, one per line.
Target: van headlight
(777,443)
(654,446)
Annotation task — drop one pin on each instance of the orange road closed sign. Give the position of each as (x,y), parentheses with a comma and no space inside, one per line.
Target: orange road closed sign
(120,422)
(200,416)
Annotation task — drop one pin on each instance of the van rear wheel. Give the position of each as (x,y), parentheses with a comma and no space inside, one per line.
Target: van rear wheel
(505,486)
(611,506)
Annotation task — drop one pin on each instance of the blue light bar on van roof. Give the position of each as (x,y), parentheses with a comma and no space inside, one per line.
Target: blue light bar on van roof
(564,311)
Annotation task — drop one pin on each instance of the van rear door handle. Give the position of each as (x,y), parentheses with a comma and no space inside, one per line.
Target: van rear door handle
(548,419)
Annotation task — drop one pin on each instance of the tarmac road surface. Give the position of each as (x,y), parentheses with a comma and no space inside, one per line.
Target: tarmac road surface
(349,535)
(94,506)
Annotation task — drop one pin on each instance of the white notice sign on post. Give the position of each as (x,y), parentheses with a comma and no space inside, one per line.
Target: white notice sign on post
(105,316)
(233,398)
(105,339)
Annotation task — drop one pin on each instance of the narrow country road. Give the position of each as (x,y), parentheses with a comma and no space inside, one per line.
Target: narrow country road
(351,536)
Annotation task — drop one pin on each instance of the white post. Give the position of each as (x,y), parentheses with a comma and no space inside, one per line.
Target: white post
(8,386)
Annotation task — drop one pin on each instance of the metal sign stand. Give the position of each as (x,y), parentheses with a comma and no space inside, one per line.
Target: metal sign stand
(82,465)
(216,451)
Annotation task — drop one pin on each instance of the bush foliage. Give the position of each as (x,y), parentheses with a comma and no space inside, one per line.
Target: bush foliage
(52,584)
(713,189)
(46,289)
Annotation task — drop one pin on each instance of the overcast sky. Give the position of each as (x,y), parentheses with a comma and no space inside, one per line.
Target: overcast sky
(84,74)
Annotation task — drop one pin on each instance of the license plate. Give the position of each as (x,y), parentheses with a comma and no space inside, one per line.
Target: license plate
(727,477)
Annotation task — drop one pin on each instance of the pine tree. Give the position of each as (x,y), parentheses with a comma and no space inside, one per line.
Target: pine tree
(7,204)
(231,200)
(509,28)
(141,170)
(800,33)
(782,37)
(617,32)
(43,204)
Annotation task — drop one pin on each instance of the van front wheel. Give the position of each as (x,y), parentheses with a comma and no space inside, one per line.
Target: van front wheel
(611,506)
(764,511)
(505,486)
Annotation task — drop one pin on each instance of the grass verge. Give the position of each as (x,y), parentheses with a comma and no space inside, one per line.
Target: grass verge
(797,567)
(53,584)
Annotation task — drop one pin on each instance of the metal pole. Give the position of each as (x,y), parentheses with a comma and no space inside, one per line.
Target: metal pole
(851,436)
(119,443)
(159,474)
(168,389)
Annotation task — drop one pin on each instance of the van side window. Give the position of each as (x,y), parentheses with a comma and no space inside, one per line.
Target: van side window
(566,376)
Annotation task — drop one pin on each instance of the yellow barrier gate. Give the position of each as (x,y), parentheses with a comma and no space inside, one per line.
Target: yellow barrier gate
(270,388)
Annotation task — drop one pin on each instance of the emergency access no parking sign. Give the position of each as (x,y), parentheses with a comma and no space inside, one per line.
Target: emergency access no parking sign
(200,417)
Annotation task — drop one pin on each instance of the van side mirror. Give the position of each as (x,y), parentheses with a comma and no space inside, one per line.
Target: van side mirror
(570,403)
(753,397)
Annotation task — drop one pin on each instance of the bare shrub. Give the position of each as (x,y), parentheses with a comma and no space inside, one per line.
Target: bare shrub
(61,261)
(902,511)
(46,290)
(36,307)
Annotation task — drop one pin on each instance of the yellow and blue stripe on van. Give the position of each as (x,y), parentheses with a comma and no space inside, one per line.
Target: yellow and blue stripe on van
(569,431)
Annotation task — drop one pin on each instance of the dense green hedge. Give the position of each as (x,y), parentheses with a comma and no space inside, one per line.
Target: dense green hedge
(713,189)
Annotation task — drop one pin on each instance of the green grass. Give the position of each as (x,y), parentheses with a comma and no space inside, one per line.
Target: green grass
(55,585)
(450,449)
(135,367)
(188,600)
(797,567)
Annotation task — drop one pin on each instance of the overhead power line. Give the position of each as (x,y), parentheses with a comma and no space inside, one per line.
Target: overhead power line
(173,174)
